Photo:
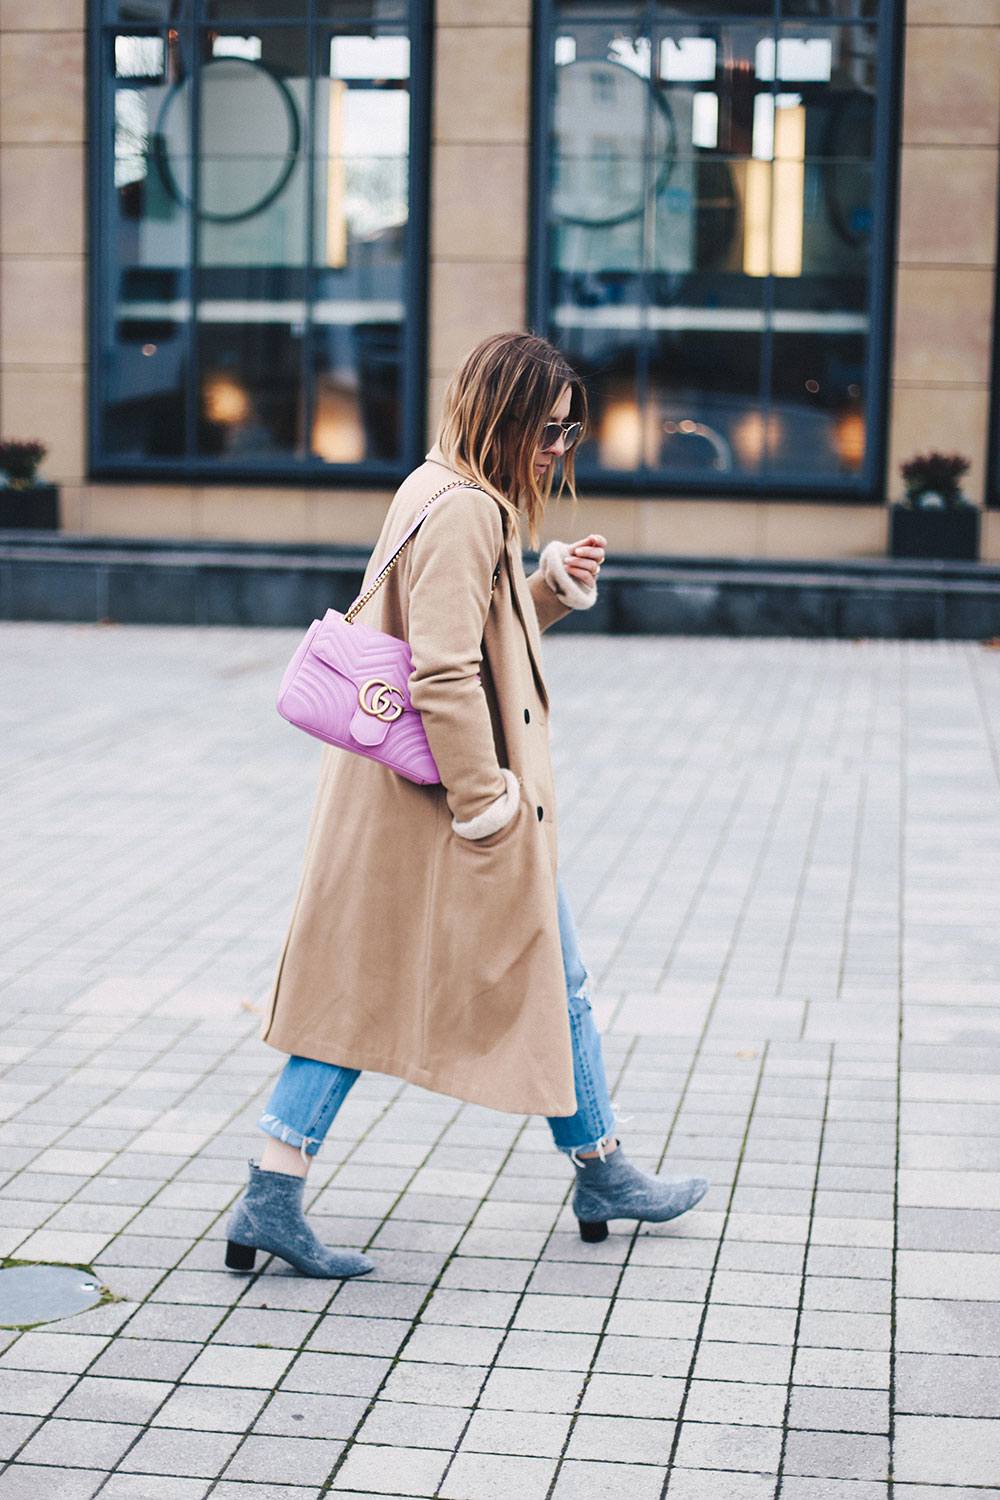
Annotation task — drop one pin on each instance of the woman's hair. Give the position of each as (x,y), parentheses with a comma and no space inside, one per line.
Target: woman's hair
(495,407)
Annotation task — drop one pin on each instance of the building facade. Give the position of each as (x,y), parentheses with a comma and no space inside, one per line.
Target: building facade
(244,242)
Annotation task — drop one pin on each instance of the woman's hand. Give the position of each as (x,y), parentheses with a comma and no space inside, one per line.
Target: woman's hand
(583,561)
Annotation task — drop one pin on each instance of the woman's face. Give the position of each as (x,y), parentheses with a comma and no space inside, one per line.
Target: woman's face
(559,413)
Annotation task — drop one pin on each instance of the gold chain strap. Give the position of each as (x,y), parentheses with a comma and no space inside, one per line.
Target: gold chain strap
(373,588)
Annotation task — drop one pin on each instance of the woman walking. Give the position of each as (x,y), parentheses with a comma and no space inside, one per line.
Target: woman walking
(431,939)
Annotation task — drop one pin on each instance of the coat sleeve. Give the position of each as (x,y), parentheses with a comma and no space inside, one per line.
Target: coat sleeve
(453,557)
(548,606)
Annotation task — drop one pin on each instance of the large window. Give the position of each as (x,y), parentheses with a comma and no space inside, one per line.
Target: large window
(257,242)
(713,217)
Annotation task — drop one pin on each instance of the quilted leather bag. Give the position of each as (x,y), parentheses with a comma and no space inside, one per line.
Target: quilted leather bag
(347,684)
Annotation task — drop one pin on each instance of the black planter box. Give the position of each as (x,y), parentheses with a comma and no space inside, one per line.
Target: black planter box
(951,534)
(34,509)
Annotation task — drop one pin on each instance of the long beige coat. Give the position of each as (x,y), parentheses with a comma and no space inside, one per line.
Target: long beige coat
(411,950)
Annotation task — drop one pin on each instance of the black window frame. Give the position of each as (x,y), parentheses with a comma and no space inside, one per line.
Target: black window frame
(869,486)
(311,470)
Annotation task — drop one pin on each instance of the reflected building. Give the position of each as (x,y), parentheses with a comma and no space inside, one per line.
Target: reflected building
(713,270)
(256,256)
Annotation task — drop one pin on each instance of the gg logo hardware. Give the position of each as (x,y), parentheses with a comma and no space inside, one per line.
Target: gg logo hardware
(381,700)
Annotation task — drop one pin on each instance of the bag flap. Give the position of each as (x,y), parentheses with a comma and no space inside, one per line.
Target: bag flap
(362,654)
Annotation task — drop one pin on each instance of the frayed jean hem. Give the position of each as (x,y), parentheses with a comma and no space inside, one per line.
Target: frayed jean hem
(306,1145)
(600,1147)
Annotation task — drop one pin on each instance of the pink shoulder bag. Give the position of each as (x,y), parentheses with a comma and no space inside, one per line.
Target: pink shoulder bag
(347,683)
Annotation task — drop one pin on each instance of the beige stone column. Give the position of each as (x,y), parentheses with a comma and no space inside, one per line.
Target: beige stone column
(940,396)
(42,244)
(479,180)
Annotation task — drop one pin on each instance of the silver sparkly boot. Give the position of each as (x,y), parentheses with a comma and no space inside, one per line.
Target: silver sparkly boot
(269,1217)
(615,1189)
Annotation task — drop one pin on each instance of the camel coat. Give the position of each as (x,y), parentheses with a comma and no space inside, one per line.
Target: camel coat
(413,951)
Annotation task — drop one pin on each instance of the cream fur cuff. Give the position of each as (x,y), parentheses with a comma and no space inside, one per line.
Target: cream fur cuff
(497,815)
(552,566)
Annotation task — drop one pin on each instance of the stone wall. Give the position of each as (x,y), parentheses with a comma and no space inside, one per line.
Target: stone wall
(940,377)
(42,235)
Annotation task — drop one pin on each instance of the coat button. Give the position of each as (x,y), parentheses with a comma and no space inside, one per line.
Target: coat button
(540,815)
(527,717)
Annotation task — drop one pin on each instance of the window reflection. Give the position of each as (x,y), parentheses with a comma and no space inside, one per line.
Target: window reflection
(252,289)
(711,193)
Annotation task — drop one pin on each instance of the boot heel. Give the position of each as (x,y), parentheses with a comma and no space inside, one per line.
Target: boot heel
(240,1257)
(594,1232)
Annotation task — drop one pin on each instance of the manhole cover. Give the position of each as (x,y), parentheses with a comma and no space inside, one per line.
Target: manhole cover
(40,1294)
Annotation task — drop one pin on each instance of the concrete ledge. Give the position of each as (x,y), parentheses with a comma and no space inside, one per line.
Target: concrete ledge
(178,583)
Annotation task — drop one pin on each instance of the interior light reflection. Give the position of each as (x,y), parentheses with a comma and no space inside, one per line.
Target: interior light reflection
(754,434)
(225,400)
(849,440)
(338,435)
(774,204)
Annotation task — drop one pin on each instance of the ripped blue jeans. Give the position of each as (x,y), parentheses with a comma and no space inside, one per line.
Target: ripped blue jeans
(308,1093)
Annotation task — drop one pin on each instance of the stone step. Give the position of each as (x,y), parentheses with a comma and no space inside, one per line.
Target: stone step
(139,581)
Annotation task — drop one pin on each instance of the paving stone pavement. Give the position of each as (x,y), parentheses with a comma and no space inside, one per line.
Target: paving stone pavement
(784,860)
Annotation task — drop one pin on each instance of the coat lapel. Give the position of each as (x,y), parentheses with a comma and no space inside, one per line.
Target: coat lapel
(525,606)
(523,602)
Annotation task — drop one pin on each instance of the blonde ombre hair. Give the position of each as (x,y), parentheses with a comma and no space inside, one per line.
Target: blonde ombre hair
(495,407)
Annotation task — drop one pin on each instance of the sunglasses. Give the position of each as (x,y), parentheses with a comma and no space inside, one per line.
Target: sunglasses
(553,431)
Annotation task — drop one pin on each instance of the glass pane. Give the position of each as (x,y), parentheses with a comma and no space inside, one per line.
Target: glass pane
(601,152)
(838,211)
(253,293)
(844,10)
(145,237)
(616,440)
(844,59)
(577,11)
(704,402)
(818,424)
(600,168)
(735,10)
(147,12)
(358,382)
(361,196)
(252,186)
(250,385)
(254,10)
(375,13)
(711,208)
(838,10)
(707,320)
(251,182)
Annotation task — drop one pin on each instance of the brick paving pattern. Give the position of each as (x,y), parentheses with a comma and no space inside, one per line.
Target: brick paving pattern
(784,860)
